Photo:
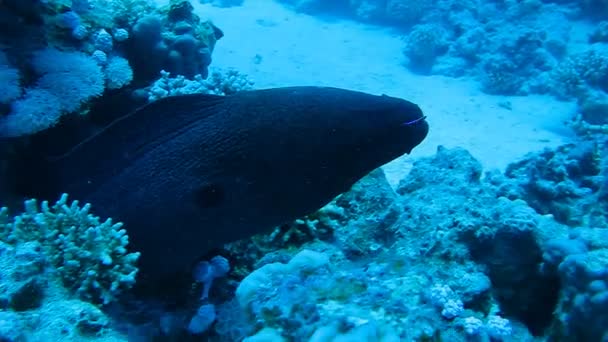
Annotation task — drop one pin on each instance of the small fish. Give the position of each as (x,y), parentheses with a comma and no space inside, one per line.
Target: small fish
(187,174)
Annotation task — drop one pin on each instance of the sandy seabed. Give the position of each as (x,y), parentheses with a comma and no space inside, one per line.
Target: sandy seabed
(277,47)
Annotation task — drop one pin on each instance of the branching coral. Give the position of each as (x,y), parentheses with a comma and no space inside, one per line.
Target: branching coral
(576,73)
(90,256)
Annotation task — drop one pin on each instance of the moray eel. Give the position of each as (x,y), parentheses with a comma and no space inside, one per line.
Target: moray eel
(189,173)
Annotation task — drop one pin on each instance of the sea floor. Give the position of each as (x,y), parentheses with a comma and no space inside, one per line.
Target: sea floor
(278,47)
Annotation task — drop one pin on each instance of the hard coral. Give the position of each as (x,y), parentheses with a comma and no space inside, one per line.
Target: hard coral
(564,182)
(90,256)
(175,40)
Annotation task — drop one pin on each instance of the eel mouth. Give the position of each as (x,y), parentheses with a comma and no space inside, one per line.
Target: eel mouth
(416,131)
(415,121)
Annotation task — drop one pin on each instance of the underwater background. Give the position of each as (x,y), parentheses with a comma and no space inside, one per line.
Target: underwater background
(494,228)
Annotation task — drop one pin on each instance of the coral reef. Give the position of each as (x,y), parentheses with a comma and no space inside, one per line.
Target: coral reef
(580,261)
(56,260)
(424,45)
(175,40)
(449,254)
(219,82)
(90,256)
(66,81)
(465,260)
(79,51)
(565,182)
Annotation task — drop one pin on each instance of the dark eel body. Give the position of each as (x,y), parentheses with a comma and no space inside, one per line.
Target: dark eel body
(189,173)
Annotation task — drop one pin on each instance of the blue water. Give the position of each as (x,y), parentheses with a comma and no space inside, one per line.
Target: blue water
(494,228)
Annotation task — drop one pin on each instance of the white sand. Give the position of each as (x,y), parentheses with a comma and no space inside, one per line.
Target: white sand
(277,47)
